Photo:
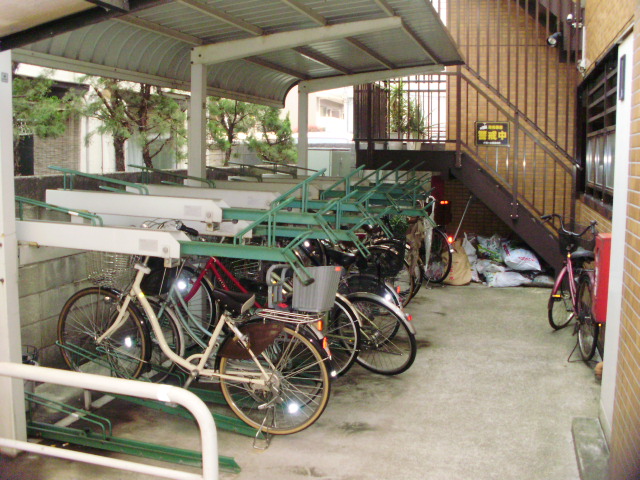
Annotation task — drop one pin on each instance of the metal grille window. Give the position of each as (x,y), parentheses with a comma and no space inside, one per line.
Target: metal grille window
(599,94)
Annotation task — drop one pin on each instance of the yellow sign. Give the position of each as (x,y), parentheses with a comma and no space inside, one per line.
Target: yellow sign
(495,134)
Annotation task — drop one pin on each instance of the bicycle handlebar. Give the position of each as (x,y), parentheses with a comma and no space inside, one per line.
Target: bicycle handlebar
(191,231)
(591,226)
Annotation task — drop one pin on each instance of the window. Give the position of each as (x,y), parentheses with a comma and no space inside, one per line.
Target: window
(330,108)
(599,100)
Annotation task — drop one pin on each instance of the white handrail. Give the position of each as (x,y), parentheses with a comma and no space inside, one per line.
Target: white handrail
(164,393)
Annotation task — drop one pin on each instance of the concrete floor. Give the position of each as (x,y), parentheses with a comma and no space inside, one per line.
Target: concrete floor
(490,396)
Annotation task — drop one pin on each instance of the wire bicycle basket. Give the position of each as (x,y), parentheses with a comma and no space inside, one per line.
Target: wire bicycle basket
(571,243)
(110,270)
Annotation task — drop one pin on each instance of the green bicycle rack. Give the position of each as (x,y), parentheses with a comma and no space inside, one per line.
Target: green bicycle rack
(103,438)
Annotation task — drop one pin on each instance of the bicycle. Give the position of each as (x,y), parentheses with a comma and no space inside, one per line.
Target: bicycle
(272,376)
(572,293)
(387,343)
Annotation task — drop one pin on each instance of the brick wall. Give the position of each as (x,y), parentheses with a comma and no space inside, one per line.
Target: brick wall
(62,152)
(585,215)
(617,20)
(478,219)
(625,431)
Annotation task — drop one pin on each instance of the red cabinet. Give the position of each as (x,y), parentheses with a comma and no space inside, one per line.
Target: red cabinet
(601,281)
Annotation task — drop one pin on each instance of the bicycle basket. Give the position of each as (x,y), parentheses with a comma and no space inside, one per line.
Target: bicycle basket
(243,268)
(570,243)
(385,259)
(160,279)
(110,270)
(321,294)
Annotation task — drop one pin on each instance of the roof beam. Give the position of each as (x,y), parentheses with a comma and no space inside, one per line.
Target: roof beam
(160,29)
(385,7)
(376,56)
(236,49)
(320,84)
(277,68)
(223,16)
(323,59)
(430,53)
(306,11)
(320,20)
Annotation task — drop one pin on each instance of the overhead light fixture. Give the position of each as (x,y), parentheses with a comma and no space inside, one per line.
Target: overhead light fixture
(554,39)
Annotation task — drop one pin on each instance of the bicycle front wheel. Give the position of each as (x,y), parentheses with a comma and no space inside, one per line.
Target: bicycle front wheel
(388,345)
(297,389)
(440,257)
(587,326)
(560,306)
(85,317)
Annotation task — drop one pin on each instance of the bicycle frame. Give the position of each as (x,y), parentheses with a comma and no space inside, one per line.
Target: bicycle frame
(195,370)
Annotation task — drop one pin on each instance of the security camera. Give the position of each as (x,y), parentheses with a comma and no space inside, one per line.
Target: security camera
(554,39)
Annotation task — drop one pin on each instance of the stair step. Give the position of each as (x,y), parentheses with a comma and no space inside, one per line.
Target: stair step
(592,452)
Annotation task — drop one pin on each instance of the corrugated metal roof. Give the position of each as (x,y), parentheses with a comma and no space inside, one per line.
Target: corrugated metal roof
(153,42)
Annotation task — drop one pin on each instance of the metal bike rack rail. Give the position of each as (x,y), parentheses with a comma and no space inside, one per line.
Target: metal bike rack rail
(121,386)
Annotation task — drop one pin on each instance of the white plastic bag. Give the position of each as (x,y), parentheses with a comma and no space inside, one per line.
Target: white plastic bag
(490,247)
(484,266)
(506,279)
(519,259)
(470,249)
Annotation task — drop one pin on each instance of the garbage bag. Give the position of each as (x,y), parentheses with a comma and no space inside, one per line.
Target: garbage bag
(519,259)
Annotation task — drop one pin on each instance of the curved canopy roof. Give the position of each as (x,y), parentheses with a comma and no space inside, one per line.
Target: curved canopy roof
(256,50)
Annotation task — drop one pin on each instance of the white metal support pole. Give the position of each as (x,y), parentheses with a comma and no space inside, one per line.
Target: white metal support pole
(303,127)
(12,414)
(198,122)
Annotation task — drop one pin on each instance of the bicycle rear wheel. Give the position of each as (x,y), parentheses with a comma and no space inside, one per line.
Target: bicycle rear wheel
(343,334)
(587,326)
(297,391)
(388,344)
(560,306)
(438,264)
(87,315)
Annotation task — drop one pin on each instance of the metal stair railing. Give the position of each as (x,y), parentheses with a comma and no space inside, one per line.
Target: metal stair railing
(534,173)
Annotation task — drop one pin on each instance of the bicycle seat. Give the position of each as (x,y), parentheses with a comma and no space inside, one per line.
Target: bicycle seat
(344,259)
(235,303)
(581,253)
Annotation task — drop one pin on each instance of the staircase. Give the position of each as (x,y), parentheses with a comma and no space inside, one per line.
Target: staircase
(519,81)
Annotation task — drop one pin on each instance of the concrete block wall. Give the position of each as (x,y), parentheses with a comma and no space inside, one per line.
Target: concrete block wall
(44,287)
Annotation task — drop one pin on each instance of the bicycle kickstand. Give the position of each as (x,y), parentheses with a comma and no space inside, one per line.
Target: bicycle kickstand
(262,440)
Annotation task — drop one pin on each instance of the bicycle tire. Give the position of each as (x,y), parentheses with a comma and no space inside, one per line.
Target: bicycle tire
(84,317)
(297,368)
(438,265)
(560,306)
(587,326)
(388,344)
(343,335)
(160,366)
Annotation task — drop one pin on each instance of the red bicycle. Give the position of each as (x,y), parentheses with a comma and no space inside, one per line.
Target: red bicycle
(572,293)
